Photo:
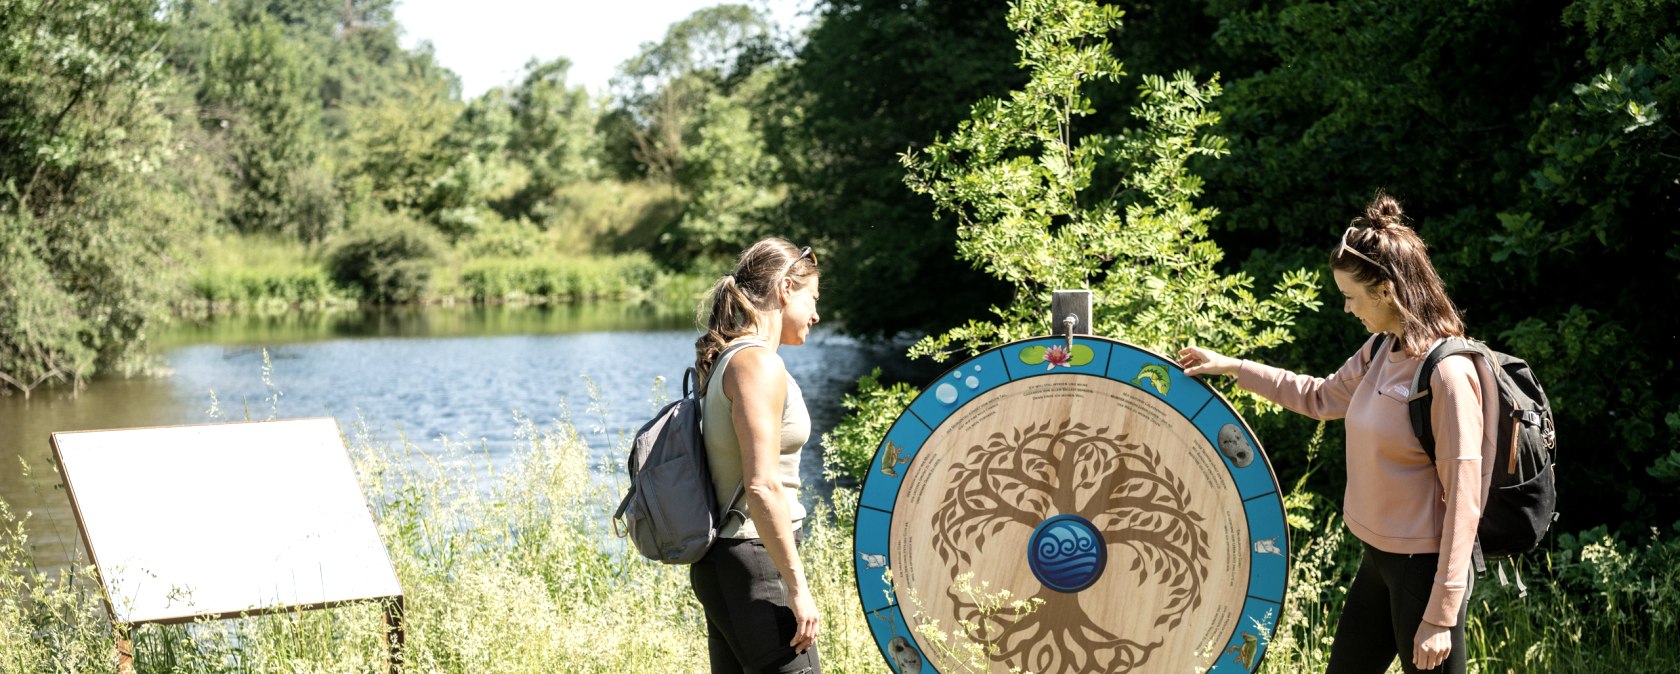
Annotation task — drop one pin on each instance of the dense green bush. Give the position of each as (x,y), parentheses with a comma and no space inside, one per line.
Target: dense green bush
(386,259)
(850,447)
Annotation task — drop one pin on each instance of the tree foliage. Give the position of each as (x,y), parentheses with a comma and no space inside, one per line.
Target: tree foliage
(1022,178)
(875,77)
(91,228)
(1528,144)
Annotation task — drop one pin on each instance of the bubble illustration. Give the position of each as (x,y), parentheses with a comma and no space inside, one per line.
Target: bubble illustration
(1066,553)
(973,383)
(1234,445)
(946,393)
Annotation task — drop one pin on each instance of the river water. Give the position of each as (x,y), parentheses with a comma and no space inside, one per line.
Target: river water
(461,373)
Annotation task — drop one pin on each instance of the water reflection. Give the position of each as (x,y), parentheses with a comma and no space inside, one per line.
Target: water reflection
(460,373)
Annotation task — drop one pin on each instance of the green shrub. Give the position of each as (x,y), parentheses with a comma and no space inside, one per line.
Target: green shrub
(502,238)
(386,258)
(850,447)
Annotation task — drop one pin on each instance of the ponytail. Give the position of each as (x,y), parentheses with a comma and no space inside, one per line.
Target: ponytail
(731,316)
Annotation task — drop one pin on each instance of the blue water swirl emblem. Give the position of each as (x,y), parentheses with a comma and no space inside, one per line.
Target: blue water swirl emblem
(1067,553)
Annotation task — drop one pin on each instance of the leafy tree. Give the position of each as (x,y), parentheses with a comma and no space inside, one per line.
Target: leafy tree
(663,89)
(1527,142)
(1020,176)
(259,87)
(91,226)
(875,77)
(732,176)
(553,127)
(395,147)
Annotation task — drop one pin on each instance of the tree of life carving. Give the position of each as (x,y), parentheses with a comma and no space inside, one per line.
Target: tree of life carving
(1023,477)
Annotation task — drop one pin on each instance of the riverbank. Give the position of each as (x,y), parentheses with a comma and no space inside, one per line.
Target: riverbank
(253,274)
(525,576)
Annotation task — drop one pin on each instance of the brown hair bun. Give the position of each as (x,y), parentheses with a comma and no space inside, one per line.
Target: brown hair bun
(1383,212)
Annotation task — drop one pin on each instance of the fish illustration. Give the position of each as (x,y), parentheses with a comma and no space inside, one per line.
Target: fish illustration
(873,561)
(904,656)
(1157,376)
(1246,650)
(1267,546)
(1234,445)
(890,459)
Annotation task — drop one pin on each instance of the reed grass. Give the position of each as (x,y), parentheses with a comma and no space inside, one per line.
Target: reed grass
(257,273)
(263,275)
(515,280)
(511,570)
(514,569)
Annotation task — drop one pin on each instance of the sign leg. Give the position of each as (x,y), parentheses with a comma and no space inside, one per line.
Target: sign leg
(394,633)
(125,652)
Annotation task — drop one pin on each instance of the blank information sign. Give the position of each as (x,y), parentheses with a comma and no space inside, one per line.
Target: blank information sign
(224,519)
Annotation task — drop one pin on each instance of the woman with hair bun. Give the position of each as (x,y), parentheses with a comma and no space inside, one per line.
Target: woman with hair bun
(760,615)
(1417,519)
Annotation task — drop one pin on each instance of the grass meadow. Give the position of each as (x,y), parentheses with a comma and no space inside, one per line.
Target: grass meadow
(515,570)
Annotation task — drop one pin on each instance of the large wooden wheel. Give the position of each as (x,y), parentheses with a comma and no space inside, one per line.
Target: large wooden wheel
(1129,498)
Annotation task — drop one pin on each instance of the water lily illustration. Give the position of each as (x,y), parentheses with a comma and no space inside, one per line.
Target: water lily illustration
(1057,356)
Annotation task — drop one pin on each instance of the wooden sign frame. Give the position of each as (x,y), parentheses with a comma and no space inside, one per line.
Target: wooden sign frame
(978,475)
(97,466)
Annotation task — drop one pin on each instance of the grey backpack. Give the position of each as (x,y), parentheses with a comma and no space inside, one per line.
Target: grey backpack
(670,513)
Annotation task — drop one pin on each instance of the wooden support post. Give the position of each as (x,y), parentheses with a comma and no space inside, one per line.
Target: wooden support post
(125,651)
(394,633)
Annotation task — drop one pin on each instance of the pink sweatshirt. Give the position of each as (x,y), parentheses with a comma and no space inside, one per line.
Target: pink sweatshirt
(1395,501)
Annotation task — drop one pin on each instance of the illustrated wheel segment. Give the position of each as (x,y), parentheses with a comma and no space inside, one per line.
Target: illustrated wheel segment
(1129,498)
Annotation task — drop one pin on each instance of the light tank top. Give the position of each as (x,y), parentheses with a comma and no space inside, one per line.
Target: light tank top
(723,449)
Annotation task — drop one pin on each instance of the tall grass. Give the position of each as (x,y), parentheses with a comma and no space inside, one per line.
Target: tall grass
(515,570)
(512,570)
(263,274)
(563,279)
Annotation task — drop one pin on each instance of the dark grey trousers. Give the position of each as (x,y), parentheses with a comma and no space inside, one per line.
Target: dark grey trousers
(748,622)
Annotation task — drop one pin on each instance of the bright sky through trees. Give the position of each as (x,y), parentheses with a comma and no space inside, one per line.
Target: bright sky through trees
(488,42)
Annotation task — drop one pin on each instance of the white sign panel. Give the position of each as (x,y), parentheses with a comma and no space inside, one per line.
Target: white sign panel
(218,520)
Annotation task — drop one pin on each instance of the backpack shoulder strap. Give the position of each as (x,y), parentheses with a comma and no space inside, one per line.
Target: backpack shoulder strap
(1418,404)
(717,365)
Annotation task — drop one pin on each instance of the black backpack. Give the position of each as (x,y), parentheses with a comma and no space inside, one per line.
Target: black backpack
(670,513)
(1522,499)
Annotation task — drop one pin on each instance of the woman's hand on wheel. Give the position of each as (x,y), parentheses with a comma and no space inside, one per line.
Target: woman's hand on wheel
(1198,361)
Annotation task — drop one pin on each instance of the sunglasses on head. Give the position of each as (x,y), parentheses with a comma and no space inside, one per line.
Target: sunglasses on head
(805,252)
(1356,253)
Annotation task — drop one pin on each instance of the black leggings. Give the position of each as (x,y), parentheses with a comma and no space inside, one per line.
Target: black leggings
(748,622)
(1381,616)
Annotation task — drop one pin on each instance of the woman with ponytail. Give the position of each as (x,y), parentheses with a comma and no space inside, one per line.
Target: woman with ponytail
(760,615)
(1416,518)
